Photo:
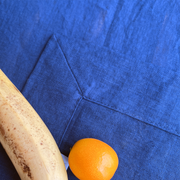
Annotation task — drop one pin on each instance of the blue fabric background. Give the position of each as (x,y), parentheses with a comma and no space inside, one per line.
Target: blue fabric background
(103,69)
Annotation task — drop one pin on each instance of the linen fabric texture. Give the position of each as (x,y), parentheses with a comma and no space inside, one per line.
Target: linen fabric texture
(103,69)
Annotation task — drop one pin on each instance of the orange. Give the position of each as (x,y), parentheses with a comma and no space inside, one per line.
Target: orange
(92,159)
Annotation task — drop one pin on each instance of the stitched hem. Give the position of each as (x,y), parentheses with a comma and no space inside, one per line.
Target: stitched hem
(145,122)
(70,120)
(108,106)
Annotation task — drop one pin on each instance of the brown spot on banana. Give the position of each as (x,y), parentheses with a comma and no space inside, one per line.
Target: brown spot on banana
(23,164)
(2,131)
(9,141)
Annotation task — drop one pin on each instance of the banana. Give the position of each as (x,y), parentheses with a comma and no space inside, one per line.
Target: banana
(26,139)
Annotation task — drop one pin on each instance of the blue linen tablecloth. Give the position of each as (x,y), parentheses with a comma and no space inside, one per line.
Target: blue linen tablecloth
(103,69)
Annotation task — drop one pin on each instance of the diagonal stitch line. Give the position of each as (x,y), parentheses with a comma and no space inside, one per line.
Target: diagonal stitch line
(70,120)
(81,93)
(98,103)
(22,89)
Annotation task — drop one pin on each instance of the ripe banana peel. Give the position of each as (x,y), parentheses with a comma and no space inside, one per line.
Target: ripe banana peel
(26,139)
